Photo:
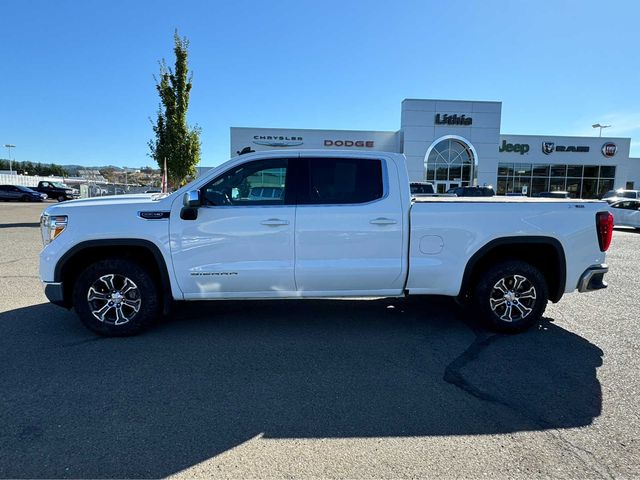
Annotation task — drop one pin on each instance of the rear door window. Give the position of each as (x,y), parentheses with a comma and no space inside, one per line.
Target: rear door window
(334,181)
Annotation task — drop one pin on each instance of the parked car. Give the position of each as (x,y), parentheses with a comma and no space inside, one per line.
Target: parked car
(425,189)
(613,196)
(555,194)
(20,193)
(472,191)
(421,188)
(626,213)
(57,190)
(346,226)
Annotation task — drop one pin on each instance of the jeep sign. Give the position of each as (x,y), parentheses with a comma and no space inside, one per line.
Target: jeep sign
(520,148)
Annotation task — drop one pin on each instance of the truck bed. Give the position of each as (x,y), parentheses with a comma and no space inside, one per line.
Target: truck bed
(500,199)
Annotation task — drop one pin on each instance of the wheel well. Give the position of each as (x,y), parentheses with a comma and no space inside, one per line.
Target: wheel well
(546,254)
(76,260)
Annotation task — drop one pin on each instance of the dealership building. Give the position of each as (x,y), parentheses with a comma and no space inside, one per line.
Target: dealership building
(453,143)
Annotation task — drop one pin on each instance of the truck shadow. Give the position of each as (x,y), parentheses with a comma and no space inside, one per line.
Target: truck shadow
(218,374)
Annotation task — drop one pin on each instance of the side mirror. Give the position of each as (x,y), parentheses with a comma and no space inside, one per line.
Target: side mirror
(191,198)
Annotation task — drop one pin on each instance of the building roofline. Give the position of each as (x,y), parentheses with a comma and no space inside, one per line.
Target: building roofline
(449,100)
(564,136)
(316,129)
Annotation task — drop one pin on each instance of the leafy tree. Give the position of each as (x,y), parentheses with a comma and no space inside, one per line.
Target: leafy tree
(174,140)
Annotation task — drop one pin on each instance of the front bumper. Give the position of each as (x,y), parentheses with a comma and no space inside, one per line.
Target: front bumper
(593,278)
(54,292)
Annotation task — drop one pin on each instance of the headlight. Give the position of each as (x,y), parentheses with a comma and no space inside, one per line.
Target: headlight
(51,226)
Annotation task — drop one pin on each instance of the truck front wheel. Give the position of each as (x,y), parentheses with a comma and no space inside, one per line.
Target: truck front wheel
(511,296)
(116,297)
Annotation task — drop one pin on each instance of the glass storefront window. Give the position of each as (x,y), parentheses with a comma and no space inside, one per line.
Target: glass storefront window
(574,171)
(591,171)
(604,185)
(505,169)
(556,184)
(541,171)
(580,181)
(522,169)
(573,187)
(607,172)
(539,185)
(589,188)
(519,182)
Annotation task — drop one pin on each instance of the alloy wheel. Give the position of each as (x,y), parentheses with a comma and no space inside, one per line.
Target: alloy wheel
(512,298)
(114,299)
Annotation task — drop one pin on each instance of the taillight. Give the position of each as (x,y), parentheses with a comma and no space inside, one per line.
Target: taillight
(604,227)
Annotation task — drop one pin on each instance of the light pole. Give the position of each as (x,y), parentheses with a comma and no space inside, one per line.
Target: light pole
(9,147)
(597,125)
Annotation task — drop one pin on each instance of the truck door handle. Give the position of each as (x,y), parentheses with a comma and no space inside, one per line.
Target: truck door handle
(275,222)
(383,221)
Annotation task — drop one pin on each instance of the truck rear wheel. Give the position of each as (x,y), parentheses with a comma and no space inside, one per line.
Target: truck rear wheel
(511,296)
(116,297)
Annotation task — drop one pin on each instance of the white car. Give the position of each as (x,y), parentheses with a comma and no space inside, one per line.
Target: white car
(626,213)
(613,196)
(345,226)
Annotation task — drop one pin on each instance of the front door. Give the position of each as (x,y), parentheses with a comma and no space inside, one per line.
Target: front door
(241,244)
(349,228)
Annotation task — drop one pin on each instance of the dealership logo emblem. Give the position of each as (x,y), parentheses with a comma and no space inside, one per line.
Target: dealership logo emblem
(349,143)
(277,140)
(520,148)
(609,149)
(550,147)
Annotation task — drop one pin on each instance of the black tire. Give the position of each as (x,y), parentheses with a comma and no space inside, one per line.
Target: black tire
(24,198)
(497,302)
(97,275)
(61,198)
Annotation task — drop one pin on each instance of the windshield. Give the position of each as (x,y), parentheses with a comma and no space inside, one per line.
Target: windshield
(59,185)
(24,189)
(628,195)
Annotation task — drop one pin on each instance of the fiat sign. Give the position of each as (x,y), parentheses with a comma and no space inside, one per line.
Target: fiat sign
(609,149)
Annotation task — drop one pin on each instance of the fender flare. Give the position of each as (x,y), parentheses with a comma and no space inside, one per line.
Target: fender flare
(121,242)
(482,252)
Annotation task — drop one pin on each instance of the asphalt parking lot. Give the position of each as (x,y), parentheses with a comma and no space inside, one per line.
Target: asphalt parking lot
(378,388)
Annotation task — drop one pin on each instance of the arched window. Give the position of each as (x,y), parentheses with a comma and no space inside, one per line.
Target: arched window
(451,160)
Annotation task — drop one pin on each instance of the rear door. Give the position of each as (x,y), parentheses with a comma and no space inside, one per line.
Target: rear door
(349,232)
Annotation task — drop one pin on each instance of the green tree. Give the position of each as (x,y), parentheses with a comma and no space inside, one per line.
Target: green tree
(174,140)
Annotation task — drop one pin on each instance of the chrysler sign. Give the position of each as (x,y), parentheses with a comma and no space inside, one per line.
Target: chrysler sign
(277,140)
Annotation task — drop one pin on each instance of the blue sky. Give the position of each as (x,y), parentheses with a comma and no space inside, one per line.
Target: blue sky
(76,83)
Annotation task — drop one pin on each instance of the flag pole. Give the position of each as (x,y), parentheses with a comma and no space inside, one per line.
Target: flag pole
(163,187)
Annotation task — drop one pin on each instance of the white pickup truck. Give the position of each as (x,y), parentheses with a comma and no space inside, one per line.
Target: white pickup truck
(334,224)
